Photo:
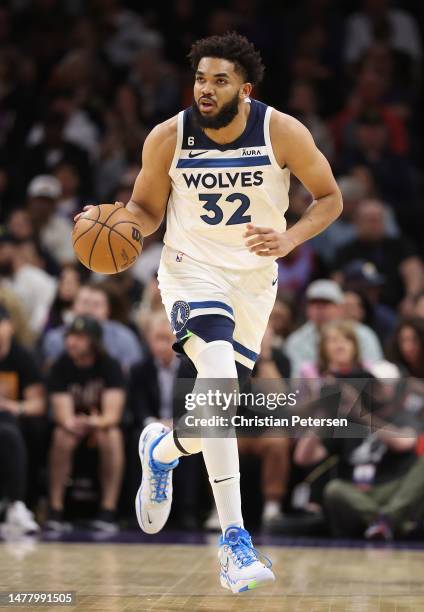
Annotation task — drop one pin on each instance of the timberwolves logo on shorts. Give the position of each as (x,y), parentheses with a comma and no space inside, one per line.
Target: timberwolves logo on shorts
(179,315)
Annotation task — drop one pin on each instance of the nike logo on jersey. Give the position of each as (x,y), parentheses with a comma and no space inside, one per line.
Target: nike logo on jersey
(191,154)
(275,281)
(223,479)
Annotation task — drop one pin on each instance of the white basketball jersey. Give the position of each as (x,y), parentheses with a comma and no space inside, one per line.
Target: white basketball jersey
(218,189)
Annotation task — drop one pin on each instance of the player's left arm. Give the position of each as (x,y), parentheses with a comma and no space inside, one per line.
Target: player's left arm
(295,148)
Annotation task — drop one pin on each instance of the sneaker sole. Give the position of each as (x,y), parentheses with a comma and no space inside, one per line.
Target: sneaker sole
(252,584)
(137,501)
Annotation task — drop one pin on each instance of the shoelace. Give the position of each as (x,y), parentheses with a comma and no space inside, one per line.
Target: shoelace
(159,482)
(244,553)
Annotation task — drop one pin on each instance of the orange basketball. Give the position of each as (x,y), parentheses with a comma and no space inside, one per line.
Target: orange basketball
(107,239)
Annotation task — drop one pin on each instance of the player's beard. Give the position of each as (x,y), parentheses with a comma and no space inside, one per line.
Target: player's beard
(222,118)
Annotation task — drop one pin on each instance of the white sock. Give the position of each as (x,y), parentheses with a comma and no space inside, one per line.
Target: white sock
(216,361)
(227,499)
(167,451)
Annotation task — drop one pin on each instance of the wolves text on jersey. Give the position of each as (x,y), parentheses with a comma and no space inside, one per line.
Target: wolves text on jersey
(223,179)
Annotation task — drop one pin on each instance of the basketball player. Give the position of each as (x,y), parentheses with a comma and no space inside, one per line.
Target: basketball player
(221,170)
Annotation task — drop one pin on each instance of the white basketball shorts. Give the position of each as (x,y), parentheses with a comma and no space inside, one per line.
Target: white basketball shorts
(217,303)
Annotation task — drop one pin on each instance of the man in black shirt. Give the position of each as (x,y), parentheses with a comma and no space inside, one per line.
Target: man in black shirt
(87,396)
(21,396)
(395,258)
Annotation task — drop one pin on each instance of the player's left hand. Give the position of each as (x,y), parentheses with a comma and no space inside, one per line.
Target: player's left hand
(266,242)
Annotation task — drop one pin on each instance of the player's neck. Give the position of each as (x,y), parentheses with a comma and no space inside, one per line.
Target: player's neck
(233,130)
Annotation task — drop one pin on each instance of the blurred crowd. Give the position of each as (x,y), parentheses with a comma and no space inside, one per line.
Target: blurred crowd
(87,361)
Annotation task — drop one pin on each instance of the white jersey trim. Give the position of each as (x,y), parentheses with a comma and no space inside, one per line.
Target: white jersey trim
(180,134)
(267,138)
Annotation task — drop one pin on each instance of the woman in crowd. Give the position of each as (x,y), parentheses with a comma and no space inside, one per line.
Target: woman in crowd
(408,346)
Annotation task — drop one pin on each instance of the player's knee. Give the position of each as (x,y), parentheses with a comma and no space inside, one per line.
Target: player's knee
(212,359)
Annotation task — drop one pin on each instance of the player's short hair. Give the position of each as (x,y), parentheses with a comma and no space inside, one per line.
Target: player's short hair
(234,48)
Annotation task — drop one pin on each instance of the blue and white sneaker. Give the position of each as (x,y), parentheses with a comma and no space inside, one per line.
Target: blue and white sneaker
(241,567)
(154,497)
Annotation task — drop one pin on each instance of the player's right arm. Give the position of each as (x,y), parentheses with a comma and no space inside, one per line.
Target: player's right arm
(153,184)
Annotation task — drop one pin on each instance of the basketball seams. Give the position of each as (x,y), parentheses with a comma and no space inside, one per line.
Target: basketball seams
(127,221)
(124,237)
(112,253)
(97,237)
(90,228)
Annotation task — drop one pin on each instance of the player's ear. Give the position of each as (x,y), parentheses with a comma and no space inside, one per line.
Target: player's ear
(246,90)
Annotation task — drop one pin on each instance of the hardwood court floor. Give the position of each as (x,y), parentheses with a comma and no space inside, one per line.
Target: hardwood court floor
(141,577)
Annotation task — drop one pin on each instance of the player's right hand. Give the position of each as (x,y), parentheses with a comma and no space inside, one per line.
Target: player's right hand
(90,206)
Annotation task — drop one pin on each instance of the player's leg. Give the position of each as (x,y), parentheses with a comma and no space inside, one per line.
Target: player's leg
(160,448)
(214,361)
(253,296)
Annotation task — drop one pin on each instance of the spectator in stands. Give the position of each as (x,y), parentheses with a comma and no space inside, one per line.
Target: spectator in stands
(61,312)
(21,396)
(396,69)
(380,483)
(282,318)
(363,285)
(394,258)
(19,225)
(273,451)
(343,229)
(324,303)
(53,231)
(52,148)
(408,346)
(10,301)
(119,341)
(79,127)
(302,104)
(156,83)
(152,380)
(379,21)
(272,362)
(127,32)
(393,173)
(368,97)
(87,395)
(33,286)
(339,352)
(70,200)
(419,305)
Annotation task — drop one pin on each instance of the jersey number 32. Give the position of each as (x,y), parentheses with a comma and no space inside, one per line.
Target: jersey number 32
(212,206)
